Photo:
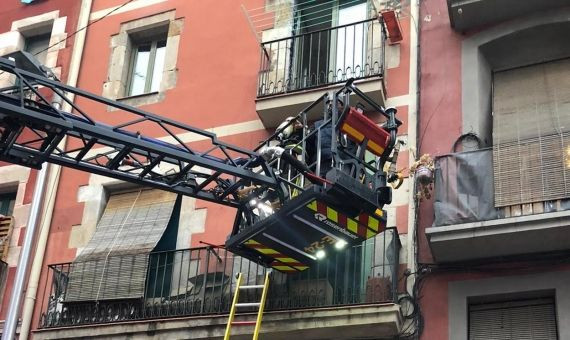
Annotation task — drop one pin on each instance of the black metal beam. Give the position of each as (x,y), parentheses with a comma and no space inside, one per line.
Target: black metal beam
(49,126)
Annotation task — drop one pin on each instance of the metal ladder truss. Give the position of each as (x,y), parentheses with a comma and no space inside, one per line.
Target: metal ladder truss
(236,305)
(112,139)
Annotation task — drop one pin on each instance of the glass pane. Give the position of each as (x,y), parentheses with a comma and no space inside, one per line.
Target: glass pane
(350,41)
(140,69)
(38,45)
(7,203)
(158,66)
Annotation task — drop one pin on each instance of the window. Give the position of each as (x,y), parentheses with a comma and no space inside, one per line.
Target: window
(531,133)
(139,72)
(114,263)
(3,279)
(6,225)
(37,46)
(7,202)
(350,44)
(146,67)
(531,319)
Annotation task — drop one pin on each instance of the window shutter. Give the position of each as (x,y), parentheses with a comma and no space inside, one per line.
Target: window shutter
(114,263)
(517,320)
(531,133)
(6,225)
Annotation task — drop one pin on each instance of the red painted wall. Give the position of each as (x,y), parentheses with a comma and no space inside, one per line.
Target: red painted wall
(13,10)
(218,61)
(438,127)
(440,89)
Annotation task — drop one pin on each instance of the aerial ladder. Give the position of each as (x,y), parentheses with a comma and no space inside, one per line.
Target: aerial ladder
(302,192)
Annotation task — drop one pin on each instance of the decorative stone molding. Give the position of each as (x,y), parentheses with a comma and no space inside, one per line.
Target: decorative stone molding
(15,178)
(115,86)
(15,39)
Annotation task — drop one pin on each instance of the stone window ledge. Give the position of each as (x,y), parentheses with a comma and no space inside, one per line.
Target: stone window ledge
(141,99)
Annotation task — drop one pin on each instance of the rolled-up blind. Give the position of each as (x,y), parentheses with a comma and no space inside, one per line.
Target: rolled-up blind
(531,133)
(114,263)
(518,320)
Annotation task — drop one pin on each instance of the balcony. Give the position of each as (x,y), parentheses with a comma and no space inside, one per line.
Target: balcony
(189,292)
(295,70)
(473,14)
(467,225)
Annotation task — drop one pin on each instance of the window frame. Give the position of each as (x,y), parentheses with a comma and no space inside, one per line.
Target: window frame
(153,42)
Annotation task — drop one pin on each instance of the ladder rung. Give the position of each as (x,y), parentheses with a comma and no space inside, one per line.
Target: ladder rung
(251,287)
(243,323)
(248,304)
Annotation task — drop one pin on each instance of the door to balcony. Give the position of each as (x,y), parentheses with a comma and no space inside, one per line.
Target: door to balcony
(329,45)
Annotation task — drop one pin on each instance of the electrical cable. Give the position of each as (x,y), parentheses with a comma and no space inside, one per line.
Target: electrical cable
(318,23)
(268,8)
(304,9)
(86,26)
(266,21)
(81,29)
(466,137)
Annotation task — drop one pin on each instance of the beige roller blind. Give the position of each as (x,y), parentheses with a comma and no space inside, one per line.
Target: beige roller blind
(6,225)
(531,133)
(114,263)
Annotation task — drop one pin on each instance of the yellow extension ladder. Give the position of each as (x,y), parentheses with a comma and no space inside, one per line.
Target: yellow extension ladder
(236,305)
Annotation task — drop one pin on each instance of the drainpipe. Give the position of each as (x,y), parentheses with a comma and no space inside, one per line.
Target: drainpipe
(413,114)
(55,170)
(9,331)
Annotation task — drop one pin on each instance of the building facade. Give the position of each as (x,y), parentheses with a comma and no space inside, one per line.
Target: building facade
(41,30)
(115,260)
(493,235)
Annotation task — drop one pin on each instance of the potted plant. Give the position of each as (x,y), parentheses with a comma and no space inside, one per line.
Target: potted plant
(423,171)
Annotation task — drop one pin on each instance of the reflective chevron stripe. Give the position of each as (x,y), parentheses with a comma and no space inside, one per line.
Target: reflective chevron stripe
(364,225)
(282,262)
(357,135)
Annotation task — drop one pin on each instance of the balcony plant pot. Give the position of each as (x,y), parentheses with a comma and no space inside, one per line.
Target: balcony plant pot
(423,171)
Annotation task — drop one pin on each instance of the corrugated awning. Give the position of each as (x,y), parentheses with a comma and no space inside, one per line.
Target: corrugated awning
(114,263)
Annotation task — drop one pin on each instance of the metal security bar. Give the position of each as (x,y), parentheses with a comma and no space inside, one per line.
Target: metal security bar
(202,281)
(322,57)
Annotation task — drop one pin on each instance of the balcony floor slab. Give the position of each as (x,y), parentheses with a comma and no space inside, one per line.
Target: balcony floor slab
(540,233)
(273,110)
(347,322)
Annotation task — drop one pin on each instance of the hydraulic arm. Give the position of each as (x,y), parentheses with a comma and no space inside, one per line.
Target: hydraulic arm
(116,140)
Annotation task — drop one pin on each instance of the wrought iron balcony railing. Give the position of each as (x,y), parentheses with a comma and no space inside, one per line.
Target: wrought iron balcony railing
(201,281)
(322,58)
